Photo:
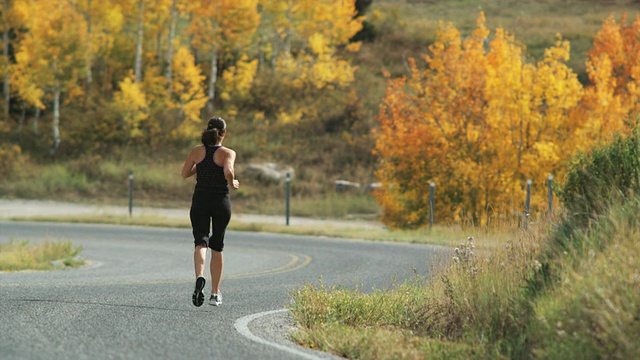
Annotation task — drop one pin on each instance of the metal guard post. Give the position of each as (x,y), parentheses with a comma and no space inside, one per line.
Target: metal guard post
(287,190)
(432,187)
(130,192)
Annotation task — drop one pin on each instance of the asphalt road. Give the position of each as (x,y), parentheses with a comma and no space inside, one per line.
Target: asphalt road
(134,299)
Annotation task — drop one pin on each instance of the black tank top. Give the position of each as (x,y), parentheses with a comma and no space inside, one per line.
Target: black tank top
(210,176)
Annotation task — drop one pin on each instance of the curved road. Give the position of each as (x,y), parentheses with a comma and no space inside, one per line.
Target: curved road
(134,300)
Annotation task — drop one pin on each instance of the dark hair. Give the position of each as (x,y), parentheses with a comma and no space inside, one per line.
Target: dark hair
(213,133)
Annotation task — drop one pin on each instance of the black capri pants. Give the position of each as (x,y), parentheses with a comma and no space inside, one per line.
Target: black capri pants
(210,214)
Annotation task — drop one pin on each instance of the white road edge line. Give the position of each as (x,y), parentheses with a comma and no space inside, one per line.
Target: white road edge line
(242,326)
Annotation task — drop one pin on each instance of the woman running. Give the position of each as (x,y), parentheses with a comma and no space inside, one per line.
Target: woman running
(210,211)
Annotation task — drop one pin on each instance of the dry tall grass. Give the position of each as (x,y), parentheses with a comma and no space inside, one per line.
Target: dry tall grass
(16,256)
(472,307)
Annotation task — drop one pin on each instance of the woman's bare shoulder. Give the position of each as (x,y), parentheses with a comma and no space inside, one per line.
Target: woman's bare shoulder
(197,149)
(197,153)
(228,150)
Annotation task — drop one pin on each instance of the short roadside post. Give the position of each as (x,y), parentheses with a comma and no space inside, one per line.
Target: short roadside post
(527,205)
(287,187)
(130,192)
(550,185)
(432,190)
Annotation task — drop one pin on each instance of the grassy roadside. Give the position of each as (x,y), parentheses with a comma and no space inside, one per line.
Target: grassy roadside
(158,184)
(452,315)
(50,255)
(551,293)
(565,289)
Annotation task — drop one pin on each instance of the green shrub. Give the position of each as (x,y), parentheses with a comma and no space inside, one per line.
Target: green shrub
(591,311)
(585,297)
(596,181)
(604,175)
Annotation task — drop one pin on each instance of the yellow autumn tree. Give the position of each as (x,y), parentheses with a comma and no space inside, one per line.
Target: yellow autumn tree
(476,119)
(303,40)
(103,20)
(130,102)
(190,92)
(325,26)
(320,27)
(238,79)
(221,27)
(51,55)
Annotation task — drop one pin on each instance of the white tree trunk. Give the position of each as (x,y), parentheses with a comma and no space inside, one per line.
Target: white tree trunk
(213,80)
(56,120)
(138,62)
(172,36)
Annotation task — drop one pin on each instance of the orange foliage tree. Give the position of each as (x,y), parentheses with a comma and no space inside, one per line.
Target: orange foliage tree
(613,97)
(479,121)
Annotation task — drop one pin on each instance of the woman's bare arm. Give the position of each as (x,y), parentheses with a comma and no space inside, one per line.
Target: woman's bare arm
(189,167)
(229,172)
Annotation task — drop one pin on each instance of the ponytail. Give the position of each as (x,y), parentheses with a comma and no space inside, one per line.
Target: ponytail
(212,135)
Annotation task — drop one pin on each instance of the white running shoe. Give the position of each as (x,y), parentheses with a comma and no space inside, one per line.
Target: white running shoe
(215,299)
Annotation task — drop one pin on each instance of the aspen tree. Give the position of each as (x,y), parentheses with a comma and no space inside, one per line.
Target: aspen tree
(478,120)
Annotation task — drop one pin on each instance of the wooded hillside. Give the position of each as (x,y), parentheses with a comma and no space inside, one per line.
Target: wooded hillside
(302,82)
